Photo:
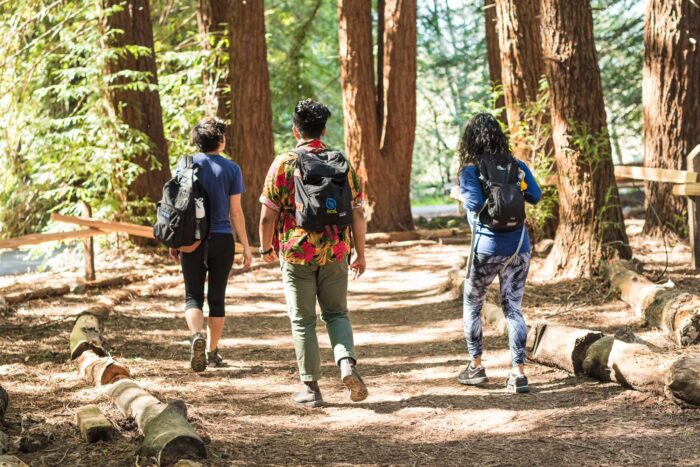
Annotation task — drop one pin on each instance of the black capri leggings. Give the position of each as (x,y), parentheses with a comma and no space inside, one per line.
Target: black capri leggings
(216,256)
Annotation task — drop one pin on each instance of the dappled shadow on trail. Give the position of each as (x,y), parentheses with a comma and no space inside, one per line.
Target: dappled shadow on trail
(410,348)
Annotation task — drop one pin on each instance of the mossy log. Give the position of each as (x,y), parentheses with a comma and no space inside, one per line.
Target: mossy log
(622,358)
(561,346)
(87,335)
(93,425)
(4,403)
(99,371)
(675,312)
(167,436)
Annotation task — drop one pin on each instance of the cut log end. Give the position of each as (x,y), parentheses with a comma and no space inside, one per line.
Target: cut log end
(683,381)
(94,426)
(87,336)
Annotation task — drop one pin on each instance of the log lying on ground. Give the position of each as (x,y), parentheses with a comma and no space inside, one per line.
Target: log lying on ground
(93,425)
(11,461)
(99,371)
(44,292)
(167,436)
(623,358)
(422,234)
(86,335)
(677,313)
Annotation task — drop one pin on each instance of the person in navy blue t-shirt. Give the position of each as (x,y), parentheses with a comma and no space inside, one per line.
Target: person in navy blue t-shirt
(505,254)
(223,182)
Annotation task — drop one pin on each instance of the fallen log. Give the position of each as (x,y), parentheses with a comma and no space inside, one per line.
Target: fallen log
(99,371)
(93,425)
(622,358)
(167,435)
(410,235)
(44,292)
(11,461)
(677,313)
(86,335)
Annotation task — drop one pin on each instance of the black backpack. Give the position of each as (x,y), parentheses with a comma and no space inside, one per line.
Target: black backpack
(504,206)
(322,192)
(183,214)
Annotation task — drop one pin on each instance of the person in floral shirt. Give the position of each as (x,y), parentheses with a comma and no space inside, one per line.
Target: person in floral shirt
(314,265)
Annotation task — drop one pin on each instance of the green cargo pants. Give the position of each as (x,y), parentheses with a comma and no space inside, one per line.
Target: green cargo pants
(303,284)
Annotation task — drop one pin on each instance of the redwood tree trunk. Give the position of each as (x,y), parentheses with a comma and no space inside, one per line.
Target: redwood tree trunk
(212,20)
(251,143)
(381,151)
(494,54)
(591,226)
(522,63)
(140,109)
(671,85)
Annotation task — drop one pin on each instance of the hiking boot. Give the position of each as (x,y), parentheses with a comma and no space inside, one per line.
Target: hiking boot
(215,359)
(473,376)
(198,354)
(309,396)
(517,384)
(352,380)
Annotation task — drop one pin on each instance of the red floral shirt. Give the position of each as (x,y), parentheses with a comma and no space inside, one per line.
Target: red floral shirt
(296,245)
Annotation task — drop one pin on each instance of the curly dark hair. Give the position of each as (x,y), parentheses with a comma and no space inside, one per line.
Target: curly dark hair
(208,134)
(482,135)
(310,118)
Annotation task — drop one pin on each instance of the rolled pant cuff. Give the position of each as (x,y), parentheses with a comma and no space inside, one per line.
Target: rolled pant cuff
(309,378)
(343,355)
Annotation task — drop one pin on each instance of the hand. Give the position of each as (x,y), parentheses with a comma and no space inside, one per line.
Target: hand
(358,266)
(247,259)
(271,257)
(174,254)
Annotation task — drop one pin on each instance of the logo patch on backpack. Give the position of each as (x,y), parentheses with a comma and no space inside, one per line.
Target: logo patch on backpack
(331,206)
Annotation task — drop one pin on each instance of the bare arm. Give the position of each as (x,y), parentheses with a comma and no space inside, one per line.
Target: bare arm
(268,220)
(359,230)
(238,221)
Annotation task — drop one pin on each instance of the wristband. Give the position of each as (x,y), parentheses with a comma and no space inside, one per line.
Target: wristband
(265,252)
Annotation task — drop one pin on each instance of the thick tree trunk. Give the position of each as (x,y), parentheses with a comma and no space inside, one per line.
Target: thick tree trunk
(251,144)
(677,313)
(382,157)
(591,226)
(167,436)
(671,95)
(522,69)
(140,109)
(212,20)
(493,55)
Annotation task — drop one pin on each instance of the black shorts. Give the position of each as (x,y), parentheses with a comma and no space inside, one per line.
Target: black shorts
(216,257)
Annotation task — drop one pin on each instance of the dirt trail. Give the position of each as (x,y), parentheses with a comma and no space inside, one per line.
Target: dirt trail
(410,344)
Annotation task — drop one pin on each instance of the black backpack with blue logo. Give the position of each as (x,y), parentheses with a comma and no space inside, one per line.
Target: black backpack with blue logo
(504,204)
(322,192)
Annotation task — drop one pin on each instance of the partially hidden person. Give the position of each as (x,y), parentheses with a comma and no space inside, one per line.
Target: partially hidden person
(222,181)
(495,187)
(312,211)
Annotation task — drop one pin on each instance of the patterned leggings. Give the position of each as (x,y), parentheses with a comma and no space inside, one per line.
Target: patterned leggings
(484,270)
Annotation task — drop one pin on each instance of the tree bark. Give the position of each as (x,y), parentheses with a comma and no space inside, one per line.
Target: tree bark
(87,335)
(591,227)
(493,55)
(677,313)
(140,109)
(251,142)
(382,157)
(671,97)
(97,370)
(212,21)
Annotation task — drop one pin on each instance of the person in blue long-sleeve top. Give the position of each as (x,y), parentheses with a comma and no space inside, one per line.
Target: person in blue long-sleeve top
(495,252)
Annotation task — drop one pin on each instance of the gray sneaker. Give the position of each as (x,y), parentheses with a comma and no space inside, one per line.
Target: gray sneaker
(198,353)
(473,376)
(517,384)
(215,359)
(309,396)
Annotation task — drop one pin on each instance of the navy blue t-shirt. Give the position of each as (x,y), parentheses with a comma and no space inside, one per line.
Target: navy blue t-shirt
(489,242)
(221,178)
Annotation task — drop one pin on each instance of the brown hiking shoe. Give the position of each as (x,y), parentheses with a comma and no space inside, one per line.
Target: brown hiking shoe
(352,380)
(198,353)
(309,396)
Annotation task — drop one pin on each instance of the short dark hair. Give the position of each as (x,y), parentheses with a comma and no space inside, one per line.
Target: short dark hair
(310,118)
(483,135)
(208,134)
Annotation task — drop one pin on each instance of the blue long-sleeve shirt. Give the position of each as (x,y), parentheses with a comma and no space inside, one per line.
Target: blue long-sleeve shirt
(487,241)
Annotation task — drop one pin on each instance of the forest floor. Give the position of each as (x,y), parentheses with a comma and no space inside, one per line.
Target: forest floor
(408,333)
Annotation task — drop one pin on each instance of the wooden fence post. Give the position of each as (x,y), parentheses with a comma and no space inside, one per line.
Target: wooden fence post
(88,246)
(694,211)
